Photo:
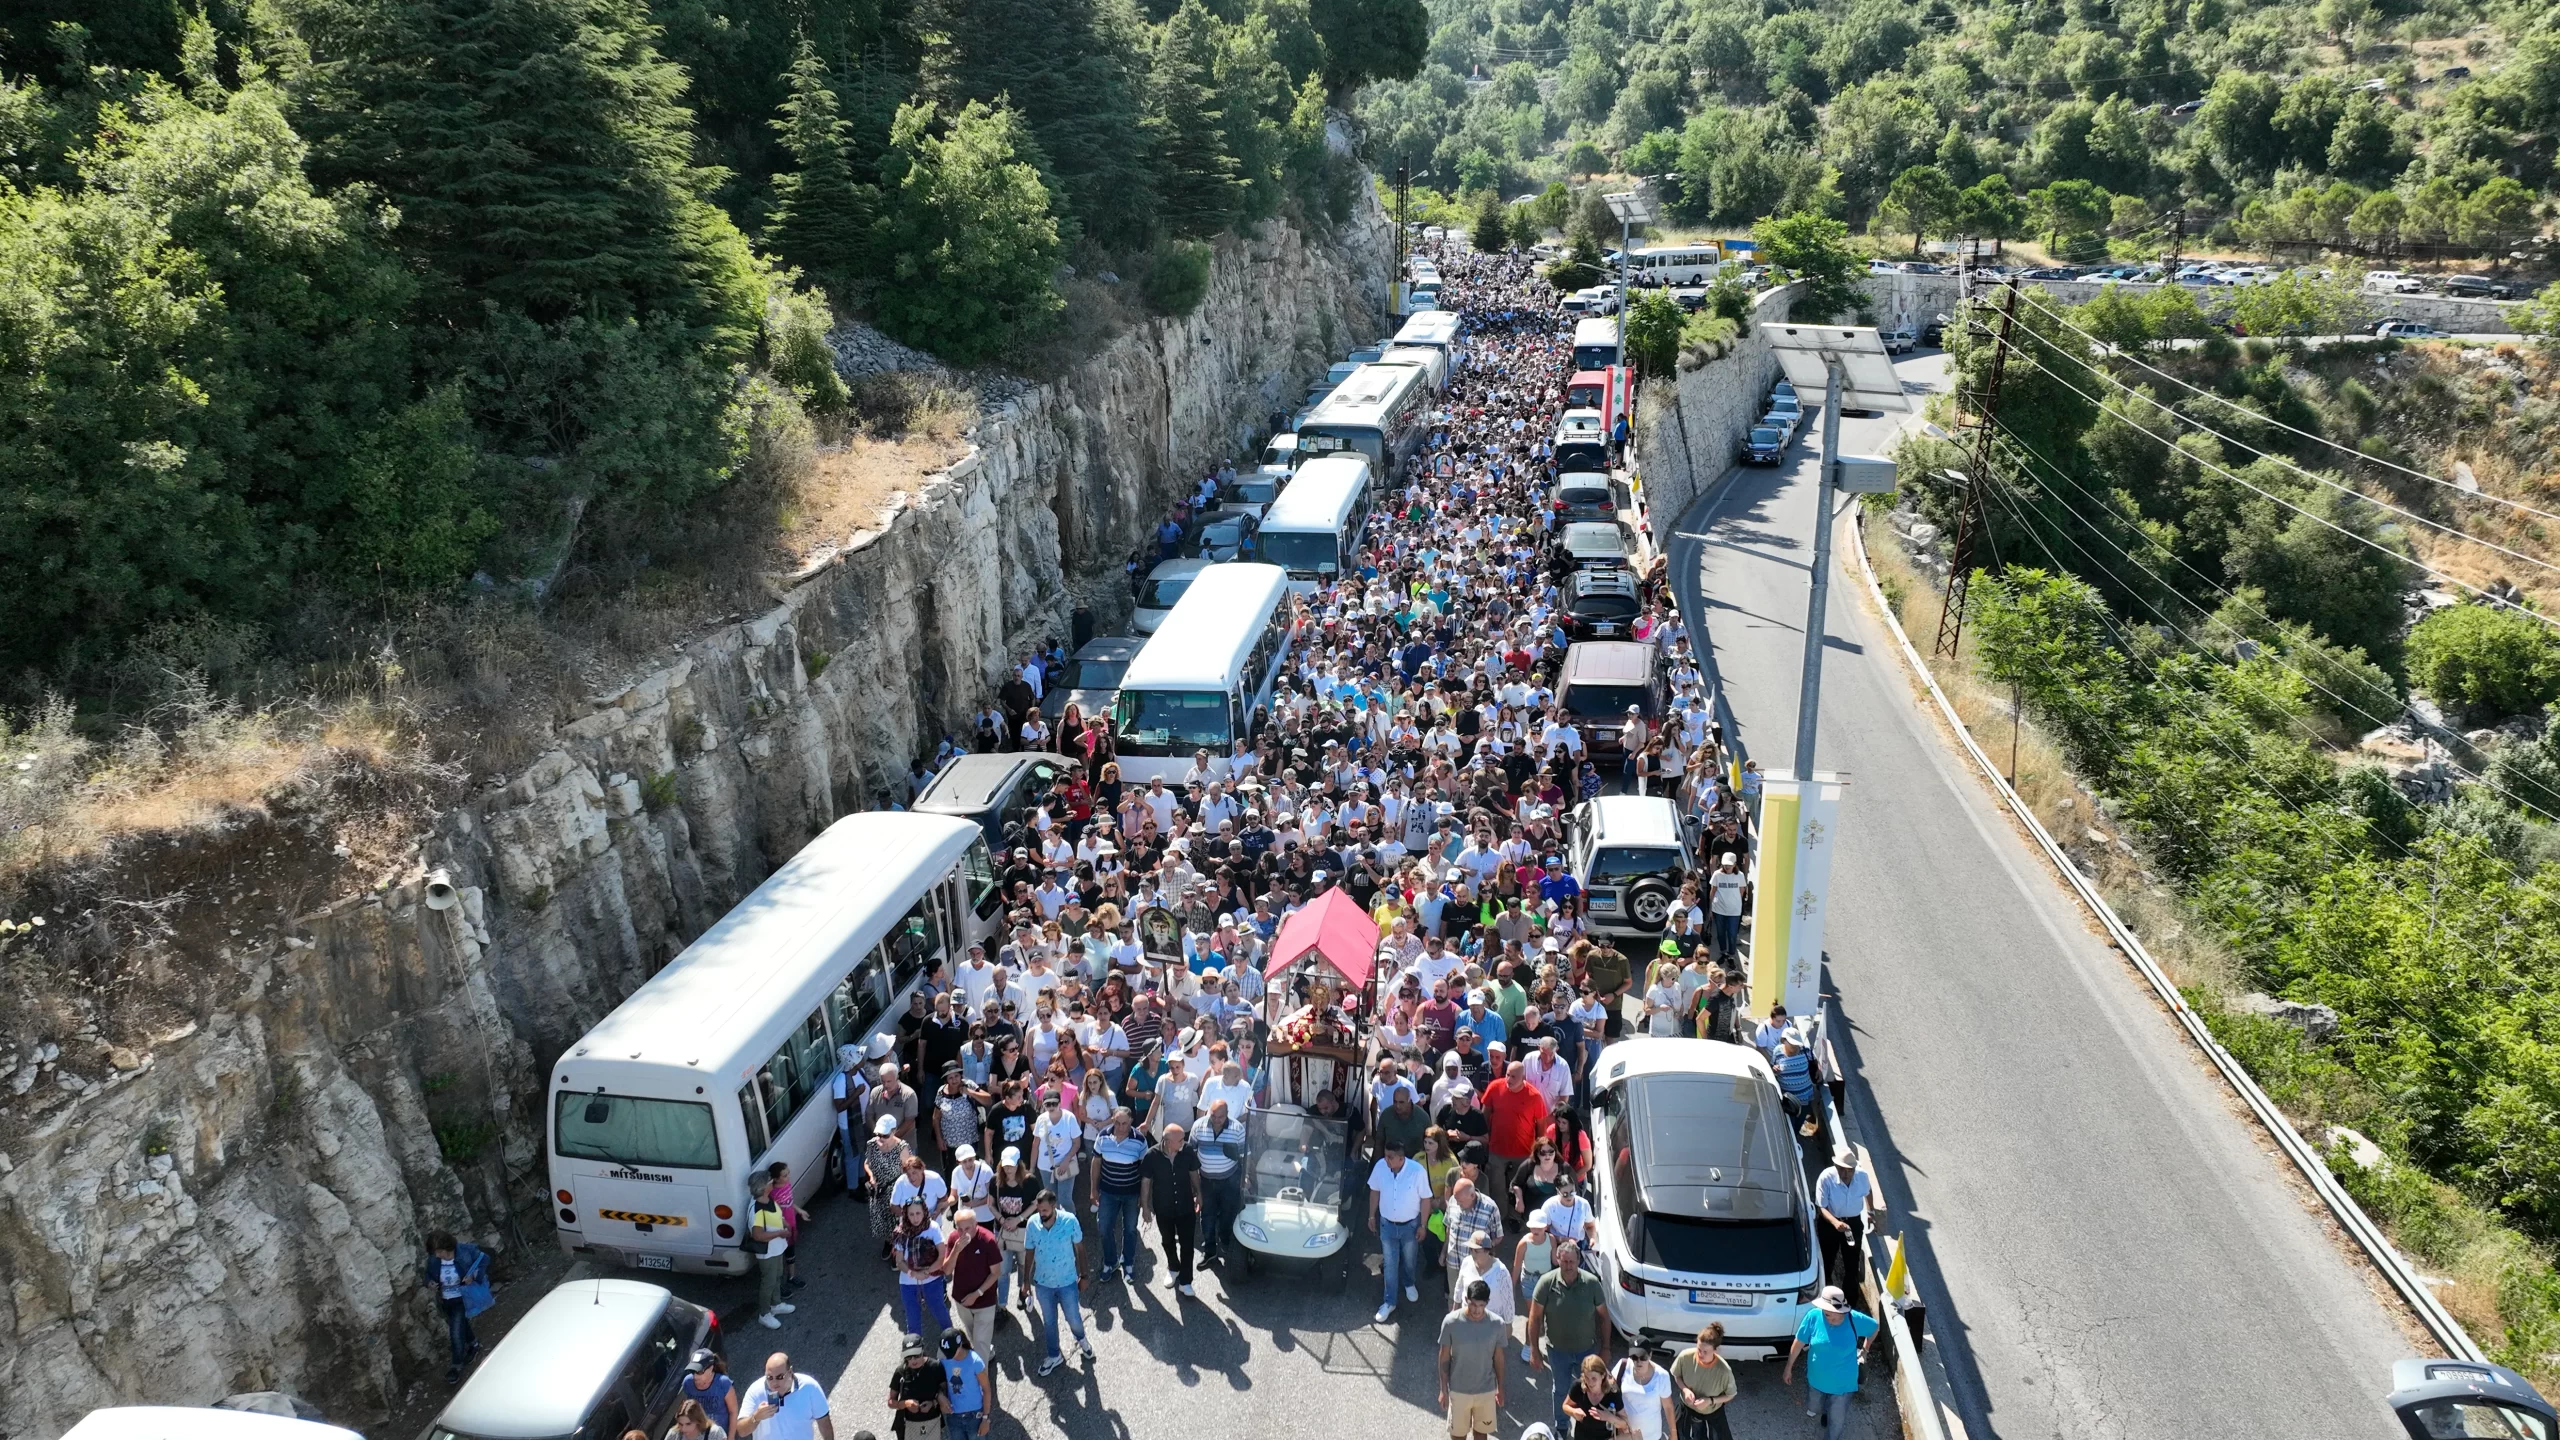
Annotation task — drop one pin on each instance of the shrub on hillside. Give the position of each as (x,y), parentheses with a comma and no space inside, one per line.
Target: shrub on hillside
(2485,661)
(1179,279)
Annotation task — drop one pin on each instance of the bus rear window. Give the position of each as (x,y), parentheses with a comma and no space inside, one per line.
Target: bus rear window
(670,1134)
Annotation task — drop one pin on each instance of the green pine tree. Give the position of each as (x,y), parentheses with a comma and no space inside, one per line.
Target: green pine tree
(1254,92)
(968,239)
(821,216)
(1196,174)
(1071,71)
(539,153)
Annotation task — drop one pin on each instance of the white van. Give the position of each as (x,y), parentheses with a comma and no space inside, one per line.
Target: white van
(1312,530)
(186,1422)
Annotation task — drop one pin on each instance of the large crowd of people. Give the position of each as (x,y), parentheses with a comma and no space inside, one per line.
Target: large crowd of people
(1059,1087)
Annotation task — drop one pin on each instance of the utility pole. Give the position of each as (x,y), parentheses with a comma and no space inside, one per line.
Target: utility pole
(1981,415)
(1826,484)
(1404,200)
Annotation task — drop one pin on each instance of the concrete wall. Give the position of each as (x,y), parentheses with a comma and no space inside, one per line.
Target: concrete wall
(194,1207)
(1901,299)
(1689,429)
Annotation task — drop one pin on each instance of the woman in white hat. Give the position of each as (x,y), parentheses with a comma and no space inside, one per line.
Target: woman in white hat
(884,1160)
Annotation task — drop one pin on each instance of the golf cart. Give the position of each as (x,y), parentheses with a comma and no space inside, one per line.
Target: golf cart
(1299,1135)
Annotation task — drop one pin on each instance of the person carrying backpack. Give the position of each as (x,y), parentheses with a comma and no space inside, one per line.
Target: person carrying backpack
(459,1274)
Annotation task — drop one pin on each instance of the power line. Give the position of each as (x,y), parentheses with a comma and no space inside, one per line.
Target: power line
(2343,448)
(2312,475)
(2289,505)
(2102,532)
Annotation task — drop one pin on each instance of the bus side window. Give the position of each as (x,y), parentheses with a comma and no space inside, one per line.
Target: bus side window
(914,945)
(978,871)
(751,1109)
(853,1005)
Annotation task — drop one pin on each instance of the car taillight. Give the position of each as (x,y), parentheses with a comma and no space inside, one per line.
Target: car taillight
(568,1216)
(726,1232)
(565,1197)
(1630,1283)
(1806,1295)
(723,1212)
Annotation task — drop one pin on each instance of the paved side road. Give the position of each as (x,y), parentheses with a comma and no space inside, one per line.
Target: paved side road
(2106,1248)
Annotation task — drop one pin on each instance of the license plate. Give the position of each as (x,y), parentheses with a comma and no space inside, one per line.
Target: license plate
(1724,1299)
(668,1262)
(1603,902)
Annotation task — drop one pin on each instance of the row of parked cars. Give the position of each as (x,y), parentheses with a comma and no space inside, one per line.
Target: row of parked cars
(1776,428)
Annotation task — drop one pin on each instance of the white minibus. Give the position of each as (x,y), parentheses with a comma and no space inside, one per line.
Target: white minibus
(725,1060)
(1595,344)
(1204,680)
(1434,363)
(1383,411)
(1435,330)
(1674,264)
(1313,529)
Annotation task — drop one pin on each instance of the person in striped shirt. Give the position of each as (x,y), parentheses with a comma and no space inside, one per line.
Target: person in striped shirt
(1117,1153)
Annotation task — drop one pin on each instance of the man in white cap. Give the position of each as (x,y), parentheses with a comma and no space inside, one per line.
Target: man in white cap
(1727,889)
(1845,1196)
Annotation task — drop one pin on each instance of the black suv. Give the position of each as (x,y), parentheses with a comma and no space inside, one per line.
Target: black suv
(1600,604)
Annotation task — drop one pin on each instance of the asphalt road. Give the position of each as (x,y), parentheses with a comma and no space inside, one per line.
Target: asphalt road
(1266,1356)
(2106,1248)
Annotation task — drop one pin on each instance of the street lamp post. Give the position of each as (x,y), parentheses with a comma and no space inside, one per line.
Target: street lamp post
(1850,367)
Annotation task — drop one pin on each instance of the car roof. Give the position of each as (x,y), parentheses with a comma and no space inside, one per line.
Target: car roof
(1718,1142)
(1581,479)
(1608,662)
(185,1422)
(542,1378)
(1617,582)
(1636,820)
(1584,533)
(970,783)
(1175,569)
(1111,647)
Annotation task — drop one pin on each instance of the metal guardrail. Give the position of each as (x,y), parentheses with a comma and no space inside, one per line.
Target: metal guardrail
(2350,1216)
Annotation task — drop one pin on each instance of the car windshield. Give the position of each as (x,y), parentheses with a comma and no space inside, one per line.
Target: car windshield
(1161,594)
(1584,495)
(1611,864)
(1295,1157)
(629,1130)
(1174,721)
(1305,554)
(1095,674)
(1256,492)
(1592,702)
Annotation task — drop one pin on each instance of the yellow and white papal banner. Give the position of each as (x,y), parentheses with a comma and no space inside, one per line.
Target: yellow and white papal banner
(1791,887)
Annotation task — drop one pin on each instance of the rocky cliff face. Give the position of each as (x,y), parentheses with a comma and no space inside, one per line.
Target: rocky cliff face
(240,1203)
(1689,429)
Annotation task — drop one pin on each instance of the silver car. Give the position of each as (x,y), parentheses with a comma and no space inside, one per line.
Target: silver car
(592,1358)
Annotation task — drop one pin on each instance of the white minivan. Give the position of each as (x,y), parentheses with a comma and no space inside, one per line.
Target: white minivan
(1702,1205)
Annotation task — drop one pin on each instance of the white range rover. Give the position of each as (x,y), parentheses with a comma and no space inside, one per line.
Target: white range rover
(1703,1208)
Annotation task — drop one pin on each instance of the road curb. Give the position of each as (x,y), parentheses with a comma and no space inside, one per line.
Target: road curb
(2368,1236)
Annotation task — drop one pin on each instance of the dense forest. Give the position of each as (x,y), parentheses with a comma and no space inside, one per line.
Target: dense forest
(2386,127)
(308,307)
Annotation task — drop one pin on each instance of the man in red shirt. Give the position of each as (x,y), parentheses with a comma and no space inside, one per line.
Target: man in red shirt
(1516,1111)
(977,1262)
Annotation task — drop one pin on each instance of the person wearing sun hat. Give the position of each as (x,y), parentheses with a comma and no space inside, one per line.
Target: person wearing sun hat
(1832,1340)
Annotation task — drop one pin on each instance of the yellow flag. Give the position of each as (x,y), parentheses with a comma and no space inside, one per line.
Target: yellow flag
(1897,1274)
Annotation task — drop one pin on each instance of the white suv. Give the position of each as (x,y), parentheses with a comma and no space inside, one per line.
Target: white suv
(1628,853)
(1702,1206)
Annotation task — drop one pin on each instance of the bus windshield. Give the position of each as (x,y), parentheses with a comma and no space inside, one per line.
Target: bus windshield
(1174,722)
(1303,553)
(673,1134)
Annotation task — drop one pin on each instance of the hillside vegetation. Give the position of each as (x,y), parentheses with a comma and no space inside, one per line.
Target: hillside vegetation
(313,312)
(2333,123)
(2308,679)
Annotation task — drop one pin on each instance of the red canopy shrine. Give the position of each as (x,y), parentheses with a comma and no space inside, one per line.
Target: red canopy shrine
(1334,927)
